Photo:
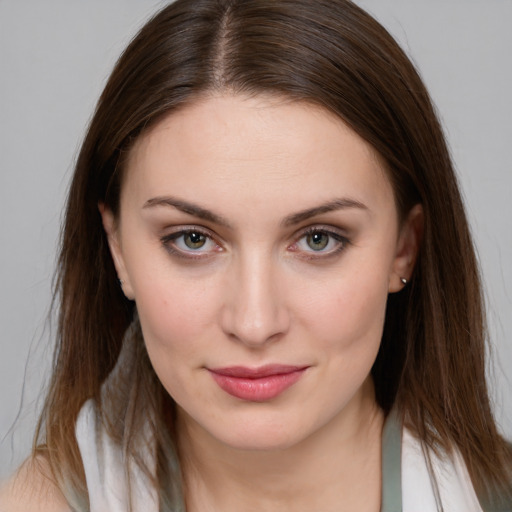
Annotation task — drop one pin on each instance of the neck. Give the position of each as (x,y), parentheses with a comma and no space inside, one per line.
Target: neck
(336,468)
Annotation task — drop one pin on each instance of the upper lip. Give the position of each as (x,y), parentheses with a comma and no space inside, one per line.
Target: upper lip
(243,372)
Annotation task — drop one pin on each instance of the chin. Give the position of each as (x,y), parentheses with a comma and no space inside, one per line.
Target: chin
(263,431)
(256,429)
(262,441)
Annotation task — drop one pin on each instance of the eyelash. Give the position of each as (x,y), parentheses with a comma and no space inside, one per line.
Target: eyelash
(341,241)
(169,243)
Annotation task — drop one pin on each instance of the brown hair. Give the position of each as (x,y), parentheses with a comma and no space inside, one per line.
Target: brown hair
(431,365)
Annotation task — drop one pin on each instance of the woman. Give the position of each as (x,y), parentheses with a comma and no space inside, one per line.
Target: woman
(269,296)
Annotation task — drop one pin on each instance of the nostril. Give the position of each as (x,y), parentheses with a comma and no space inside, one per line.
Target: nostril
(255,325)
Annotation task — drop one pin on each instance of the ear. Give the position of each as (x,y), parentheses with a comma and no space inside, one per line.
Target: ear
(111,229)
(407,248)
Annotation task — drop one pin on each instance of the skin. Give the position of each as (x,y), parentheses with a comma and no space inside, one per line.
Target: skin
(32,488)
(257,289)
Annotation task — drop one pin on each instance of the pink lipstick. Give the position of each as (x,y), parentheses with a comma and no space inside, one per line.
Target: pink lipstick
(257,384)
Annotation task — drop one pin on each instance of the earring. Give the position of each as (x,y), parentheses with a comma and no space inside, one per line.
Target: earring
(120,281)
(404,281)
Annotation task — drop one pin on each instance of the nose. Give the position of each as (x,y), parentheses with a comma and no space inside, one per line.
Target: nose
(254,311)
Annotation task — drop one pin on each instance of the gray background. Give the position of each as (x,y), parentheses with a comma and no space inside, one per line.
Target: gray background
(54,58)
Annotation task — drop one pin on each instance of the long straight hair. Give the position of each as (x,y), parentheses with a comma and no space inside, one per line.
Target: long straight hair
(431,364)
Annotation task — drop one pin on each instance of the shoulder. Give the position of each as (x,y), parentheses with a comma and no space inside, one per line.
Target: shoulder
(32,488)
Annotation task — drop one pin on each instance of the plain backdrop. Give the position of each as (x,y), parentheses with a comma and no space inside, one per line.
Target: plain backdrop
(54,59)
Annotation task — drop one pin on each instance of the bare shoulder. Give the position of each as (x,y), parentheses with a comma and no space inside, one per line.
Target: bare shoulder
(32,488)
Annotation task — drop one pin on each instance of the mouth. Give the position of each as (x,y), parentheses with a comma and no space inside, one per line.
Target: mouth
(257,384)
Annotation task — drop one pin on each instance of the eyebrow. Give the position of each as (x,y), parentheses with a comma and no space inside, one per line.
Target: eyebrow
(295,218)
(335,204)
(189,208)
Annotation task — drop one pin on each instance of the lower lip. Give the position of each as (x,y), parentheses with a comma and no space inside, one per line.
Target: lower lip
(260,389)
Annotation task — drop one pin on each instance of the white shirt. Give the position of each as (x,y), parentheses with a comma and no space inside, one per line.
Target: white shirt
(108,490)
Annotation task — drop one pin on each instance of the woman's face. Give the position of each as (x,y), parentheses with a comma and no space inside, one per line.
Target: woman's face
(259,239)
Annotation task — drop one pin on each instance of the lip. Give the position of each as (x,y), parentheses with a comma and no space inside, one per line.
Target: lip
(257,384)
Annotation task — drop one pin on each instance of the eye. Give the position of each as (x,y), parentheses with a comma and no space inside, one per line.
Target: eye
(194,240)
(319,242)
(190,243)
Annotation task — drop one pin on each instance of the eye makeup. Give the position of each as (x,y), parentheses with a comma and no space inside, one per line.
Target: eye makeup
(198,243)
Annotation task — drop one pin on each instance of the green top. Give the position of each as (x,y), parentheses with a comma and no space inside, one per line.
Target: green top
(391,465)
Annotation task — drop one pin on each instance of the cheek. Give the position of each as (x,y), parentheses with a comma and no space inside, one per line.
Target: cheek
(176,322)
(349,329)
(345,319)
(348,309)
(174,315)
(175,308)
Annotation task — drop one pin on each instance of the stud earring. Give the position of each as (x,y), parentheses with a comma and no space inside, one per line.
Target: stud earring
(120,281)
(404,281)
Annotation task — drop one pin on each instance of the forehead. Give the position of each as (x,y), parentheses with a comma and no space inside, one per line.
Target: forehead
(257,148)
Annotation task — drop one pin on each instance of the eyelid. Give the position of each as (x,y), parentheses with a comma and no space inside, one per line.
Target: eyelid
(178,231)
(323,228)
(336,233)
